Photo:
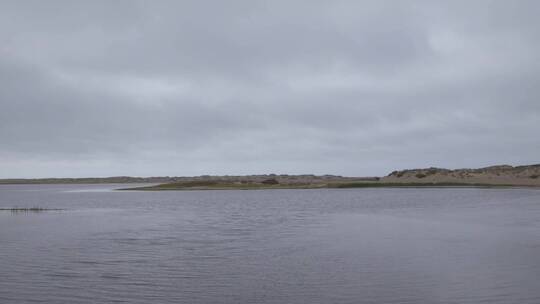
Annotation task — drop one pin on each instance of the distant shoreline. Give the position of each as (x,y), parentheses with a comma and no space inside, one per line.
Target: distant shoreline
(501,176)
(169,187)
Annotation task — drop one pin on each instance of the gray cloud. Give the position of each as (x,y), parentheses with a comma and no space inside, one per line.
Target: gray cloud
(99,88)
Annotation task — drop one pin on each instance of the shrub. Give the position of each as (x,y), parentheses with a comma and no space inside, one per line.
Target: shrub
(270,181)
(420,175)
(432,171)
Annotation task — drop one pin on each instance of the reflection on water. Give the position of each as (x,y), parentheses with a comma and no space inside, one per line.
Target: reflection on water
(277,246)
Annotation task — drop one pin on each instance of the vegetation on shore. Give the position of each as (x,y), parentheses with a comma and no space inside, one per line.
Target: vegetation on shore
(494,176)
(418,185)
(229,185)
(335,185)
(490,177)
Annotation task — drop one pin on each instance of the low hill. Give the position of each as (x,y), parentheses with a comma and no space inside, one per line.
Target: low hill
(494,175)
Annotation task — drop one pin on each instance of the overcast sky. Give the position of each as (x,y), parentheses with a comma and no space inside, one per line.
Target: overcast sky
(146,88)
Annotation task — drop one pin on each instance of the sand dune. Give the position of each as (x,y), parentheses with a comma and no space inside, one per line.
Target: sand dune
(495,175)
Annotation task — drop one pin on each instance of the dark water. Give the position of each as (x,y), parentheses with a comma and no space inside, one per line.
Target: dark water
(277,246)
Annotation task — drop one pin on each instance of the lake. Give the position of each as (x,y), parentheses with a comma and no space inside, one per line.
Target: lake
(451,245)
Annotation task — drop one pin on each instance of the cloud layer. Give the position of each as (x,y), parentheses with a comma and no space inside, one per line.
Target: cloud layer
(100,88)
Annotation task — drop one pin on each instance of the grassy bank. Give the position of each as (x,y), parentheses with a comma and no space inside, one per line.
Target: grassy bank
(219,185)
(418,185)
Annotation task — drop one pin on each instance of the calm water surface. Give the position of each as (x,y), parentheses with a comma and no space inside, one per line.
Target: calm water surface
(270,246)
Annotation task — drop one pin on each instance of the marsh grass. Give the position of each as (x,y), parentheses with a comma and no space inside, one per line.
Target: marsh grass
(27,210)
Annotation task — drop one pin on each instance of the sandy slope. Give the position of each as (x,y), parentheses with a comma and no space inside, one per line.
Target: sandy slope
(496,175)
